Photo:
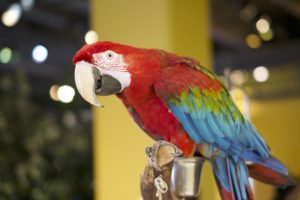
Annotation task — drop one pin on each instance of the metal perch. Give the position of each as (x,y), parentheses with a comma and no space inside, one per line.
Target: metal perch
(168,176)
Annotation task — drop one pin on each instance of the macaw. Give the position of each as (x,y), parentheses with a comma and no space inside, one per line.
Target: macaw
(175,99)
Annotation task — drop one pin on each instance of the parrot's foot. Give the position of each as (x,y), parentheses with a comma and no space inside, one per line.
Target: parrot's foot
(162,153)
(156,179)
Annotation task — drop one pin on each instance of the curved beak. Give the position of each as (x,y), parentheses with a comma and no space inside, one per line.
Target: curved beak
(90,82)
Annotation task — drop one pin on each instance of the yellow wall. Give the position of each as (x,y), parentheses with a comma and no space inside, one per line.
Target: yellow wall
(278,121)
(174,25)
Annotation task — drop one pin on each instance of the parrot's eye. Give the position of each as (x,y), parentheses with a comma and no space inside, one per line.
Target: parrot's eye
(110,55)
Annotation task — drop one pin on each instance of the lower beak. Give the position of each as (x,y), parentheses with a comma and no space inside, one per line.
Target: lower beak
(90,82)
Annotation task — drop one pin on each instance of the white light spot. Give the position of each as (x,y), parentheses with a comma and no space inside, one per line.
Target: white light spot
(5,55)
(261,74)
(12,15)
(91,37)
(65,93)
(39,54)
(27,4)
(262,25)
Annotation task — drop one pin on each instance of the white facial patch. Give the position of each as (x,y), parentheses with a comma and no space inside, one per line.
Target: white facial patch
(113,64)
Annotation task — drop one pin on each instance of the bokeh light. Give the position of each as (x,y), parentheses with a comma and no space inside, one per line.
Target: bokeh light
(5,55)
(53,92)
(69,119)
(263,25)
(12,15)
(261,74)
(248,13)
(27,4)
(91,37)
(242,100)
(39,54)
(267,36)
(238,77)
(253,41)
(65,94)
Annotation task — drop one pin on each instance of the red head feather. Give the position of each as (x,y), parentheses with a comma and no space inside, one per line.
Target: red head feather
(86,52)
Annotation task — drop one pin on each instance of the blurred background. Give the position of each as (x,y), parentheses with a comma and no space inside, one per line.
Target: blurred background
(45,131)
(54,146)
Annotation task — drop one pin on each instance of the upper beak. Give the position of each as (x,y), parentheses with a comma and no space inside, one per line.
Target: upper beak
(90,82)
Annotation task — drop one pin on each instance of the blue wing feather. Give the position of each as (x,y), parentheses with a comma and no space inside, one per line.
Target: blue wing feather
(219,129)
(186,125)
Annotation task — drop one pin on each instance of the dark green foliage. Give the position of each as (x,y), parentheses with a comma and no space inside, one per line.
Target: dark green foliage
(44,155)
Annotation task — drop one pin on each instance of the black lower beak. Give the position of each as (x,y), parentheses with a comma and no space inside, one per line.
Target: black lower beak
(106,84)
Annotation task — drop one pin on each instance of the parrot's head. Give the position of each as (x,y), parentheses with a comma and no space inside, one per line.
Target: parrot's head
(106,68)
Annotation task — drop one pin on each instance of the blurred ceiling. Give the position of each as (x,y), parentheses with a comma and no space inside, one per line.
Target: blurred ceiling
(233,20)
(60,25)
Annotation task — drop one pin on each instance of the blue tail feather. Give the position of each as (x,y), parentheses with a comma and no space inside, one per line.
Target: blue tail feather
(232,177)
(275,165)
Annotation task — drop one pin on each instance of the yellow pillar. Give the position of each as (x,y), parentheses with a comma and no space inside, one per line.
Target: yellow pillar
(174,25)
